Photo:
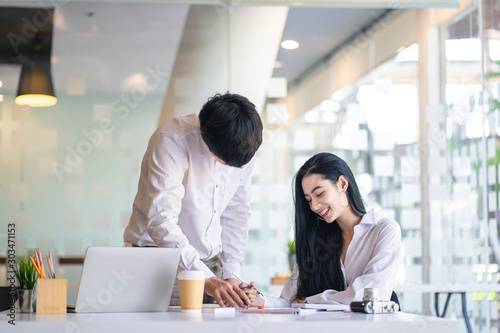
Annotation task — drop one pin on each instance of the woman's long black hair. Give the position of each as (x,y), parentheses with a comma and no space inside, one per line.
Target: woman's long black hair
(319,244)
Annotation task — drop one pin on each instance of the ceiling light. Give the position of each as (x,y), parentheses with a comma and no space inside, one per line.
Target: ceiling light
(365,182)
(409,53)
(494,47)
(328,117)
(1,83)
(1,98)
(312,116)
(329,105)
(136,81)
(338,95)
(35,86)
(350,127)
(289,44)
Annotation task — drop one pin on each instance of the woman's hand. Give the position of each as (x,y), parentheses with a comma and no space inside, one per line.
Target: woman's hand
(300,300)
(252,294)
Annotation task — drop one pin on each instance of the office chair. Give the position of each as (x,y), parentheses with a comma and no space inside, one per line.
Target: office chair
(395,299)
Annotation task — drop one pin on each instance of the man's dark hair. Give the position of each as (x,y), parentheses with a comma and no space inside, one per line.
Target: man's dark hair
(231,127)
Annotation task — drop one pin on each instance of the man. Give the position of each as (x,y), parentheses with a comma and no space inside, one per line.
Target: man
(194,192)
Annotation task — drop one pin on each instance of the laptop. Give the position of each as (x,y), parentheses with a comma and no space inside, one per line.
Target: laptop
(127,279)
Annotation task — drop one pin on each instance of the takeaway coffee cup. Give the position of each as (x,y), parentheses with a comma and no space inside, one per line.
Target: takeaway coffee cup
(191,286)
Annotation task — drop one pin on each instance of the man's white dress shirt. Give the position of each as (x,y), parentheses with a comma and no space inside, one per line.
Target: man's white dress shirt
(186,199)
(372,261)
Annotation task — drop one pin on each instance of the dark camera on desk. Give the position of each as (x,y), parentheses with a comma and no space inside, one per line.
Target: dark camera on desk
(371,303)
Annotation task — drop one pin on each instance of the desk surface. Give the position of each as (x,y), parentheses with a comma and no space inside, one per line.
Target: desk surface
(448,287)
(239,322)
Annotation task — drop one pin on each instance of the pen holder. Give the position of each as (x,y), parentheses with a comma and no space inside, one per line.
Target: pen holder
(51,296)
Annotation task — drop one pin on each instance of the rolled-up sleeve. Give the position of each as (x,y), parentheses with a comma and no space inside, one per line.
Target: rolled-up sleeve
(288,293)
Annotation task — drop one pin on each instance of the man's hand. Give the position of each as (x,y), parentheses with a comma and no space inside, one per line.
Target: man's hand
(233,281)
(226,293)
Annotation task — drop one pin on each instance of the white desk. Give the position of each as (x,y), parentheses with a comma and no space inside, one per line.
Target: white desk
(449,289)
(240,323)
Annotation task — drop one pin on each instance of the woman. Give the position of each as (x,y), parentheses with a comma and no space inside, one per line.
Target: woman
(341,249)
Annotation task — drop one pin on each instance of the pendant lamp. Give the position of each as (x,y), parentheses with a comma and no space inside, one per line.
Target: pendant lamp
(35,85)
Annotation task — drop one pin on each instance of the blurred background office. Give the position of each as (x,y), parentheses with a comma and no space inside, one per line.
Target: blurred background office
(407,92)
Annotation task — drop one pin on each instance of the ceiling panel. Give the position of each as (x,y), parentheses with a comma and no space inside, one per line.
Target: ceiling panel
(114,47)
(113,44)
(318,31)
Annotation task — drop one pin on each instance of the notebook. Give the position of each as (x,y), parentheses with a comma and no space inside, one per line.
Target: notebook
(127,279)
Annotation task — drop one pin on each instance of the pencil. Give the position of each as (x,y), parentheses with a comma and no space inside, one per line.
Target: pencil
(43,274)
(251,286)
(42,269)
(51,266)
(34,264)
(40,264)
(37,258)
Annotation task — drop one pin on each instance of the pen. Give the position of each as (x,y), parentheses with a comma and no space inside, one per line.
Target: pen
(251,286)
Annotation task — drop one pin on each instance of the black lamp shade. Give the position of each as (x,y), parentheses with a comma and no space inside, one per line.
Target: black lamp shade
(35,86)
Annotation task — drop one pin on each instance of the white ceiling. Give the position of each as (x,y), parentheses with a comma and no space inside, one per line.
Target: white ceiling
(206,63)
(112,43)
(318,31)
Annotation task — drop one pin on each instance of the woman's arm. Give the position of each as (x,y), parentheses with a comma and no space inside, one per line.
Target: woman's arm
(380,271)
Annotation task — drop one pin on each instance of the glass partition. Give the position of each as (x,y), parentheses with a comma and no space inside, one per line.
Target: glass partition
(373,125)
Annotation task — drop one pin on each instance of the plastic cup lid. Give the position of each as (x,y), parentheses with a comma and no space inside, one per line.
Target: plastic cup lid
(191,275)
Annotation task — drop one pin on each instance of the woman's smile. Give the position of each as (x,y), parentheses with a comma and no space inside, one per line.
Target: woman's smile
(324,212)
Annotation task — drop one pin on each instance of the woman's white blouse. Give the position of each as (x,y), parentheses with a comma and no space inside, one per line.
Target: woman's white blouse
(372,261)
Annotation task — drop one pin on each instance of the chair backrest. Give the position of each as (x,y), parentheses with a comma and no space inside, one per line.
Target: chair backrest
(395,299)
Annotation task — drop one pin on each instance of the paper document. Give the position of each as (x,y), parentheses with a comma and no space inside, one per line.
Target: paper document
(327,307)
(299,311)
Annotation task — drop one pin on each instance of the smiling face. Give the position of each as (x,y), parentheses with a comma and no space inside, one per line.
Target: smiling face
(326,198)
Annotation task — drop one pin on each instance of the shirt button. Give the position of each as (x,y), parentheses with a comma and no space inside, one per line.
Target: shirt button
(215,211)
(216,186)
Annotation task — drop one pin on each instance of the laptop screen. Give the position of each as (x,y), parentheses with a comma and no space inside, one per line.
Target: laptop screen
(127,279)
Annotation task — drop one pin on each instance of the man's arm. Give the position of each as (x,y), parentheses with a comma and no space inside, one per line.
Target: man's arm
(167,165)
(166,168)
(234,222)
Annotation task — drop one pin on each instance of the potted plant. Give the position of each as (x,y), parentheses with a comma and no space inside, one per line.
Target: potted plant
(291,253)
(26,276)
